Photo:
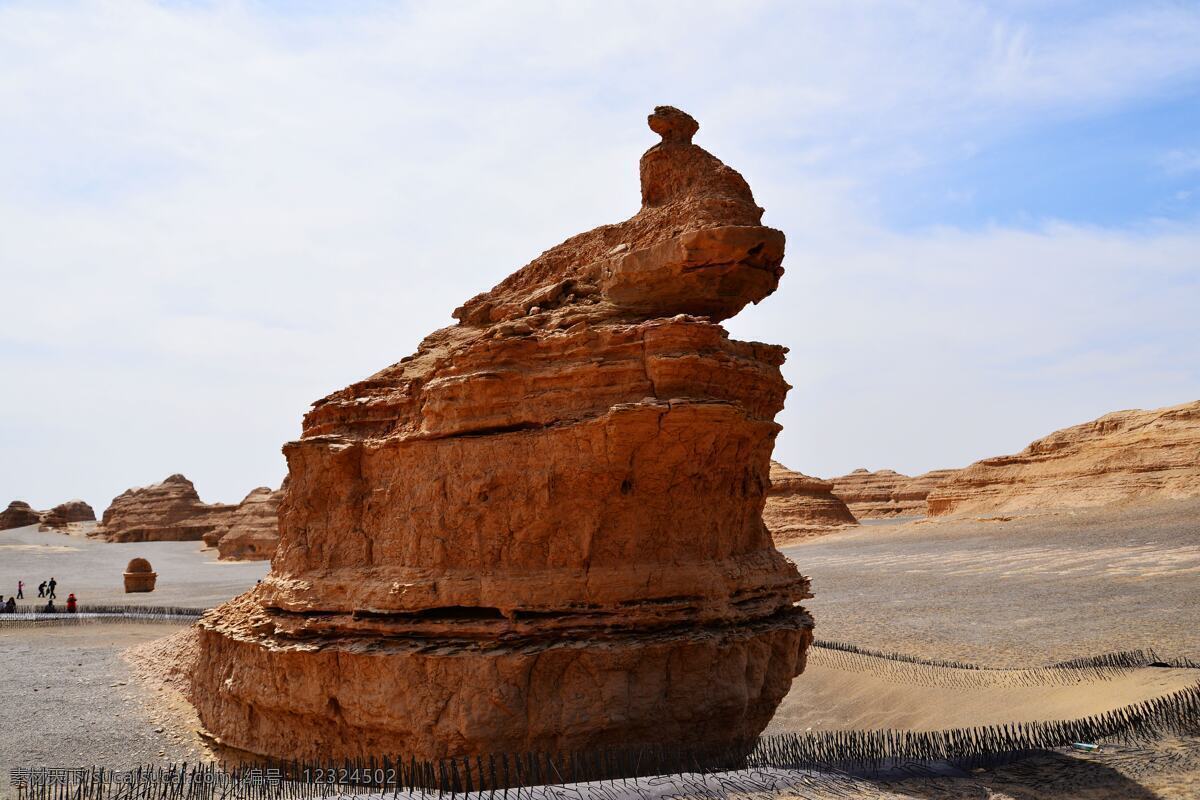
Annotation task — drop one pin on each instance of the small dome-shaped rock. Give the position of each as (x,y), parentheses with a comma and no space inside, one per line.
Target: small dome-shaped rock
(139,576)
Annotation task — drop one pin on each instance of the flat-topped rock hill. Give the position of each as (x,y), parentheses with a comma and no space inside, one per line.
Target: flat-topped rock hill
(64,515)
(800,506)
(61,517)
(18,515)
(543,530)
(1123,457)
(167,511)
(886,493)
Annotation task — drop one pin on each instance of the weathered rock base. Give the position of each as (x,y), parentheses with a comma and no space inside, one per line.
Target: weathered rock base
(714,686)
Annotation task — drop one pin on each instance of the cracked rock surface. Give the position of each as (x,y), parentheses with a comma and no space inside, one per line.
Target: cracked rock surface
(543,530)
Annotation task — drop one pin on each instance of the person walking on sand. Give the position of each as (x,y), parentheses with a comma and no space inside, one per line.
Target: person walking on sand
(71,603)
(51,585)
(42,589)
(20,590)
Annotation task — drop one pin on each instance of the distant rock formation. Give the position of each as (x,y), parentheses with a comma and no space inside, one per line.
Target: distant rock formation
(886,493)
(18,515)
(1123,457)
(800,506)
(253,530)
(167,511)
(63,515)
(542,532)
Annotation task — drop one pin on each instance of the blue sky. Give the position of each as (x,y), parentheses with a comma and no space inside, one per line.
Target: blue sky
(214,213)
(1125,165)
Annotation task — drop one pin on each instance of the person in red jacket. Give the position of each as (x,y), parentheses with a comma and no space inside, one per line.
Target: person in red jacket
(71,603)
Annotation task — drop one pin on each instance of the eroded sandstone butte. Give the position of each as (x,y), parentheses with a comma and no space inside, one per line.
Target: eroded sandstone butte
(18,515)
(1123,457)
(167,511)
(800,506)
(886,493)
(253,530)
(543,530)
(63,516)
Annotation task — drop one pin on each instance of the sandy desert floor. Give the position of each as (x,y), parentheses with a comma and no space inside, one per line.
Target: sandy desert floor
(1020,593)
(187,575)
(1029,591)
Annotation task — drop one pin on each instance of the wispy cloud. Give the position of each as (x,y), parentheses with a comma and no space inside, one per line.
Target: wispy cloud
(1181,162)
(212,214)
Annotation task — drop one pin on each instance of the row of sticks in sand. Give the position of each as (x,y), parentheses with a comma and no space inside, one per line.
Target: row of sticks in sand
(830,753)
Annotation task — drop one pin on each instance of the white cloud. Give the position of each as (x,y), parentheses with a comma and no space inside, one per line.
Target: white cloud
(935,349)
(212,215)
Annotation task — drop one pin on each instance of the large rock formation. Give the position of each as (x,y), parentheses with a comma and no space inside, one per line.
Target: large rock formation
(800,506)
(1121,457)
(167,511)
(253,530)
(18,515)
(543,530)
(885,493)
(63,515)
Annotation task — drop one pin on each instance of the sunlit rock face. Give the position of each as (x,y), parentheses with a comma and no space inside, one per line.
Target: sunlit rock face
(252,529)
(800,507)
(63,515)
(543,530)
(170,511)
(18,515)
(1123,457)
(886,493)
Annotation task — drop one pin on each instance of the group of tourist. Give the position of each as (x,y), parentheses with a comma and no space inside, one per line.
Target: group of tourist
(47,590)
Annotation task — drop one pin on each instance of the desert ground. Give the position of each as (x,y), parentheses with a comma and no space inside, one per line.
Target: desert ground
(1013,591)
(1017,593)
(188,576)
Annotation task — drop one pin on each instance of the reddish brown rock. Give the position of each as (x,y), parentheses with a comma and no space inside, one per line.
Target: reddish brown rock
(167,511)
(1123,457)
(64,515)
(885,493)
(139,576)
(800,506)
(18,515)
(543,530)
(253,530)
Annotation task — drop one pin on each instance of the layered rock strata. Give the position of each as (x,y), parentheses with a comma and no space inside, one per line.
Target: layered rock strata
(18,515)
(167,511)
(800,506)
(64,515)
(886,493)
(543,530)
(1123,457)
(253,530)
